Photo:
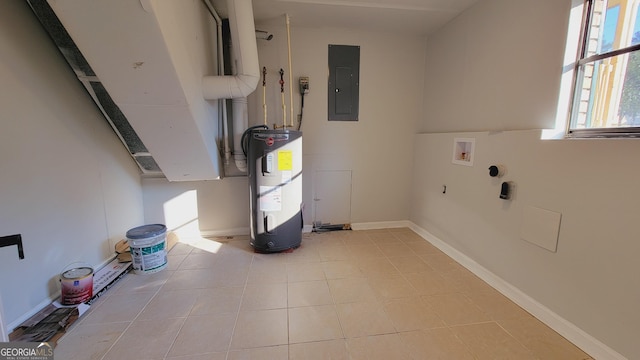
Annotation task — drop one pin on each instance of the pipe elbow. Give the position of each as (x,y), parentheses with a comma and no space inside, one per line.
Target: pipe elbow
(228,87)
(241,162)
(245,52)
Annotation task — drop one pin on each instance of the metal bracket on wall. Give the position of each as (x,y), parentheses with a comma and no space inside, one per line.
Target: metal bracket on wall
(13,240)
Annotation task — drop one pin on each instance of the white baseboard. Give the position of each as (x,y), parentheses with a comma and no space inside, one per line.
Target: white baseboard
(381,225)
(225,232)
(571,332)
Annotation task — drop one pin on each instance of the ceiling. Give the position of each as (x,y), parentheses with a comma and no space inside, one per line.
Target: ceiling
(417,17)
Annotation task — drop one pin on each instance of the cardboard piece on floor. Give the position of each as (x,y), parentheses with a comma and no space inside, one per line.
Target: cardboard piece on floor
(50,323)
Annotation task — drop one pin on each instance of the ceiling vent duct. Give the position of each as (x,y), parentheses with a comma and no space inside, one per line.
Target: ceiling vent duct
(94,87)
(144,63)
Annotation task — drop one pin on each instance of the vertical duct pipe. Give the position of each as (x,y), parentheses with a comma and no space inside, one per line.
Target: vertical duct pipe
(222,104)
(245,51)
(239,86)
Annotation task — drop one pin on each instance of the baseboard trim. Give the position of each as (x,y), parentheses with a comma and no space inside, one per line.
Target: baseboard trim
(577,336)
(225,232)
(381,225)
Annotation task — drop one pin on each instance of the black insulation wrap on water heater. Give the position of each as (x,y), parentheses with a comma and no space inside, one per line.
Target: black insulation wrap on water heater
(244,141)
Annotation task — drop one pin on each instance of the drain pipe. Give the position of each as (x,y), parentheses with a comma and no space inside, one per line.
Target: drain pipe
(222,104)
(238,87)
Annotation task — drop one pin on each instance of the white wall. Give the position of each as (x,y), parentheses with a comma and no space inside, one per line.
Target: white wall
(591,280)
(67,183)
(377,148)
(496,67)
(218,207)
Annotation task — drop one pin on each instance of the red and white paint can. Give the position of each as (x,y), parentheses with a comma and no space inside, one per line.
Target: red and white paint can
(76,285)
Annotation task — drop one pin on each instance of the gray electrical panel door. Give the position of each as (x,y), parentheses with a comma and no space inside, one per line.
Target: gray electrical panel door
(344,82)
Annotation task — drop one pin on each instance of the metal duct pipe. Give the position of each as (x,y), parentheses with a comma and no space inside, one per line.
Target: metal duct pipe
(222,104)
(245,51)
(240,124)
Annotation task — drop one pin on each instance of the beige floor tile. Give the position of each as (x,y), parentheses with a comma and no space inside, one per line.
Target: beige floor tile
(358,238)
(334,252)
(234,259)
(395,249)
(267,272)
(203,260)
(146,339)
(89,341)
(441,262)
(215,301)
(264,296)
(280,352)
(120,307)
(351,290)
(208,356)
(304,271)
(489,341)
(313,323)
(422,247)
(174,261)
(304,253)
(456,309)
(411,313)
(228,274)
(497,305)
(204,334)
(363,250)
(260,328)
(542,340)
(466,281)
(392,287)
(377,267)
(308,293)
(169,304)
(208,245)
(321,350)
(180,249)
(363,319)
(430,283)
(382,239)
(438,343)
(410,264)
(379,347)
(341,269)
(407,236)
(192,279)
(135,283)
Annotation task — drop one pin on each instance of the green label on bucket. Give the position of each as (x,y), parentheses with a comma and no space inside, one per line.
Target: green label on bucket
(153,249)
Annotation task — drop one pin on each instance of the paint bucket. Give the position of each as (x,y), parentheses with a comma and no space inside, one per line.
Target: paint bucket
(148,245)
(76,285)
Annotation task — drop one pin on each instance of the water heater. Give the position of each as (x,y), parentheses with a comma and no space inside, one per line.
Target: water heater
(275,184)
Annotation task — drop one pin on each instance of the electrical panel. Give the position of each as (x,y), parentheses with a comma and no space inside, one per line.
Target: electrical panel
(344,82)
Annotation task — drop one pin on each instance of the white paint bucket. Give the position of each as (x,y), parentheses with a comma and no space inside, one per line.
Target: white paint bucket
(76,285)
(148,245)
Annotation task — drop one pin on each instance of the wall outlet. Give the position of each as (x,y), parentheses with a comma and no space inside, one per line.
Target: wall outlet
(304,85)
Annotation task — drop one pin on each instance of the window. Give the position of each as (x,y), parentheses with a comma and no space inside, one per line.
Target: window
(606,97)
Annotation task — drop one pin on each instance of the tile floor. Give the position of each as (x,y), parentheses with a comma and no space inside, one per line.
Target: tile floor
(378,294)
